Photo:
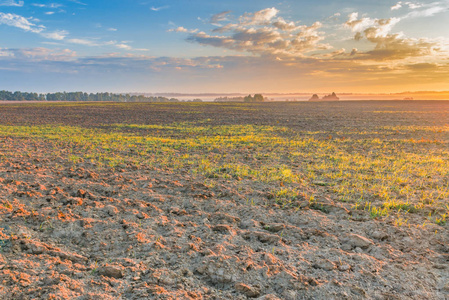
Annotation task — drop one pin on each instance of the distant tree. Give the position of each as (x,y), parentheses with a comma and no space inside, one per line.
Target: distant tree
(248,98)
(18,96)
(331,97)
(6,95)
(314,98)
(229,99)
(258,98)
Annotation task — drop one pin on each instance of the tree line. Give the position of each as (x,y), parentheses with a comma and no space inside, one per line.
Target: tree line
(80,96)
(249,98)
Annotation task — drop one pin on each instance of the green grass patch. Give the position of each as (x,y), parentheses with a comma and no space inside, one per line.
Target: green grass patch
(396,174)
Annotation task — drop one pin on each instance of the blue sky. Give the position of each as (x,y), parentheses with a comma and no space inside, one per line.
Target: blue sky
(224,46)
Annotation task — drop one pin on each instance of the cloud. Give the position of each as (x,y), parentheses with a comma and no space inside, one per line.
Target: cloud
(411,5)
(55,35)
(38,54)
(391,47)
(357,24)
(261,33)
(20,22)
(421,9)
(397,6)
(220,17)
(283,25)
(414,5)
(159,8)
(428,10)
(11,3)
(83,42)
(376,27)
(388,46)
(51,5)
(422,66)
(144,63)
(261,17)
(6,53)
(123,46)
(25,24)
(112,29)
(95,43)
(182,29)
(77,2)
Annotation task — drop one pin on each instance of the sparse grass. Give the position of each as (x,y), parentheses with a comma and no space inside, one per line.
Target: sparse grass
(386,170)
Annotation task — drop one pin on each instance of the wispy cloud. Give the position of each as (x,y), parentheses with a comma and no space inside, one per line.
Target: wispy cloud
(123,46)
(220,17)
(410,5)
(182,29)
(84,42)
(78,2)
(28,25)
(20,22)
(51,5)
(429,10)
(58,35)
(11,3)
(159,8)
(422,9)
(39,54)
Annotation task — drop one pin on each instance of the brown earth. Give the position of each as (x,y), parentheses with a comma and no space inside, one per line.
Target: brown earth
(141,233)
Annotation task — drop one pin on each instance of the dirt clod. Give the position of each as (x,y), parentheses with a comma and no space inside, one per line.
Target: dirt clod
(110,271)
(247,290)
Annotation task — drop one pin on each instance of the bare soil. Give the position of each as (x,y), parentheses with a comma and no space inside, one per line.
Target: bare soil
(80,232)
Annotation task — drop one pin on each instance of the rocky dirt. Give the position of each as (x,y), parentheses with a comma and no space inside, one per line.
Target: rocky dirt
(138,233)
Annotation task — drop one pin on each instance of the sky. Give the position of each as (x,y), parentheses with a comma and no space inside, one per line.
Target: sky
(244,46)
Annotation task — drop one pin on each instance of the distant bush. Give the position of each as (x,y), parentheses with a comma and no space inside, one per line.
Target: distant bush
(256,98)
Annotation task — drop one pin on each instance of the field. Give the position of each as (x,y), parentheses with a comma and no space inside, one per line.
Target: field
(343,200)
